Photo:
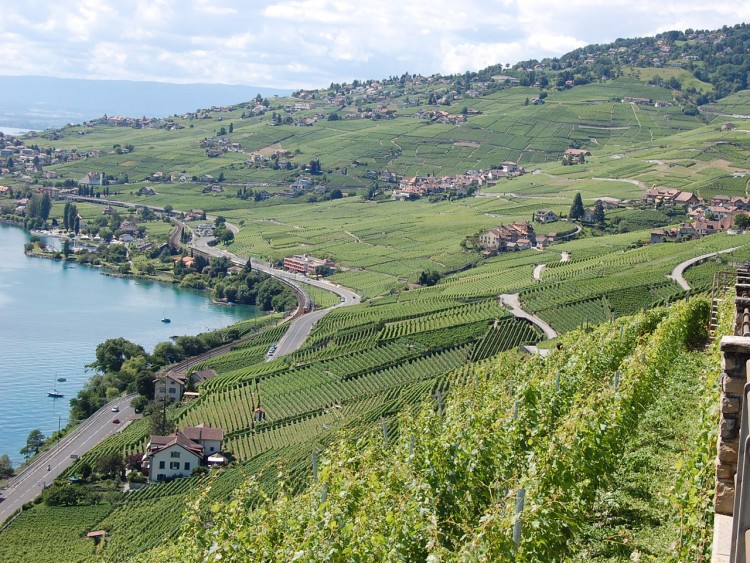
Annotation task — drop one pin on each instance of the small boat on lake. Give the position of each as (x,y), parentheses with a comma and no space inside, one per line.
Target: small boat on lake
(55,394)
(61,379)
(166,320)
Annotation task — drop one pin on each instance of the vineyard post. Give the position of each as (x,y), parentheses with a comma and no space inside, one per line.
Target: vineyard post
(621,331)
(315,464)
(617,380)
(557,382)
(520,496)
(385,430)
(439,397)
(411,447)
(515,410)
(324,493)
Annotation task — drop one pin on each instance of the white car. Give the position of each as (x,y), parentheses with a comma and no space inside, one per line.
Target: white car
(115,409)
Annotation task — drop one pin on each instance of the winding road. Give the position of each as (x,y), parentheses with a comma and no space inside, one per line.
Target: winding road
(301,325)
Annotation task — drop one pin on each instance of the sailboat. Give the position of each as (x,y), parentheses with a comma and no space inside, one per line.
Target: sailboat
(55,394)
(165,318)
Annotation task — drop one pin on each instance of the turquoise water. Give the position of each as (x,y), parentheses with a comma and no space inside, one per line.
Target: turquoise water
(53,315)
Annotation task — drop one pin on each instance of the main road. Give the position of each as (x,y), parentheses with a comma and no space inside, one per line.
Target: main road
(301,325)
(39,473)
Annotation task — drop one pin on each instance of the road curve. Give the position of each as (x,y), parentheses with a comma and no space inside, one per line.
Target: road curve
(511,300)
(300,326)
(679,270)
(32,479)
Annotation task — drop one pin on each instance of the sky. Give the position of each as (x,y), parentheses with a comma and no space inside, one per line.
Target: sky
(293,44)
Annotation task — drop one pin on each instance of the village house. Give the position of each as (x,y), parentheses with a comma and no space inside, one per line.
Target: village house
(128,226)
(92,179)
(177,455)
(545,216)
(575,156)
(169,387)
(705,227)
(204,230)
(669,196)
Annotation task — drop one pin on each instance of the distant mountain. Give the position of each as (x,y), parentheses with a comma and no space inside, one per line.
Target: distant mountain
(40,102)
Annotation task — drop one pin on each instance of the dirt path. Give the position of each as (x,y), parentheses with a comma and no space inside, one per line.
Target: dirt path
(511,301)
(679,270)
(539,268)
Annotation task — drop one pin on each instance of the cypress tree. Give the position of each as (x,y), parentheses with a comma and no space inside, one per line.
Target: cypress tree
(576,210)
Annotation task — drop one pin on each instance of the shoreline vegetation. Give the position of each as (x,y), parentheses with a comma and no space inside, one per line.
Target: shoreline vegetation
(125,367)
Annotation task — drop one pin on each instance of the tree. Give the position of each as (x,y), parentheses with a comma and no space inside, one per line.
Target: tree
(112,353)
(231,127)
(111,464)
(168,209)
(599,212)
(336,194)
(139,403)
(6,467)
(166,353)
(742,221)
(68,495)
(577,211)
(34,441)
(66,216)
(66,250)
(428,277)
(160,424)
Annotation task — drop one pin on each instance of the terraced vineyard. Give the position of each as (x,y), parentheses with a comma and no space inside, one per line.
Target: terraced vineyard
(370,369)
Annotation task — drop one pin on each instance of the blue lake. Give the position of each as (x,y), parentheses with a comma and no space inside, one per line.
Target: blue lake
(53,315)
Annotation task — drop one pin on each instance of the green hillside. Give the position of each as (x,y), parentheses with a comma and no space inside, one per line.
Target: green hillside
(415,406)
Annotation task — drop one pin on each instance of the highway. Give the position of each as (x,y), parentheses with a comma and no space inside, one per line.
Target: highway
(32,479)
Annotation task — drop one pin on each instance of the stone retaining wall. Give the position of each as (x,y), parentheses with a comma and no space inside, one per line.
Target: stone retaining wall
(735,356)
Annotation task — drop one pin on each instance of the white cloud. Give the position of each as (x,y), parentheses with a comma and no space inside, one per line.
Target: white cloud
(309,43)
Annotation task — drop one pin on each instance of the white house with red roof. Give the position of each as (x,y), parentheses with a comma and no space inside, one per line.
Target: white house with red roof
(177,455)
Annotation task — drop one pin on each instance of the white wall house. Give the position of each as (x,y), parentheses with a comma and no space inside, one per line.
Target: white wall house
(170,388)
(168,457)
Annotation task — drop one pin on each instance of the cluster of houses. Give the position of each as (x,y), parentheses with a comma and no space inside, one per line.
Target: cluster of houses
(441,116)
(521,236)
(217,146)
(707,217)
(518,236)
(646,102)
(419,186)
